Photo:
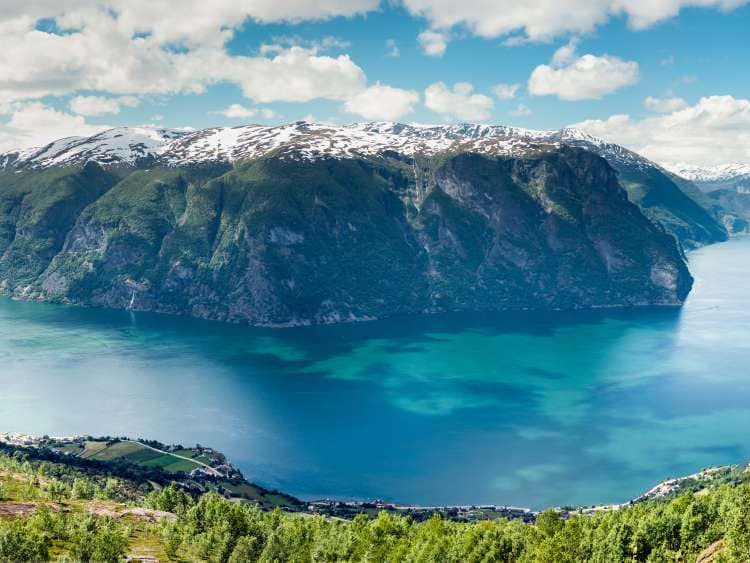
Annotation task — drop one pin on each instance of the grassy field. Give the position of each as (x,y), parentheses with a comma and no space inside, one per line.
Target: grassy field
(137,454)
(91,448)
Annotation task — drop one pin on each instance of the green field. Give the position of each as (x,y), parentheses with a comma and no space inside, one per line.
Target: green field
(137,454)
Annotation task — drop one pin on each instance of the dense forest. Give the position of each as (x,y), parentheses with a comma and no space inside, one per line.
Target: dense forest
(52,511)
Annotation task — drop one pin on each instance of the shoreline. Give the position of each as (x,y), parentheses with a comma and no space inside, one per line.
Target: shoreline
(349,508)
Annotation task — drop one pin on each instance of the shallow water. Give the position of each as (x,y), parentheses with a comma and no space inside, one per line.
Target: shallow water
(530,409)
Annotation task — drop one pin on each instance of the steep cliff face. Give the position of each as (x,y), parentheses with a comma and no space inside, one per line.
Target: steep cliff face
(281,240)
(733,206)
(674,203)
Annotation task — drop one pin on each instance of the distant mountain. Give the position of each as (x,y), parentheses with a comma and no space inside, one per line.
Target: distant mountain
(648,185)
(708,178)
(307,223)
(726,188)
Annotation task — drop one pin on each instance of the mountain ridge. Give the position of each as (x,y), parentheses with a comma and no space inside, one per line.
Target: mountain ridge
(720,173)
(677,206)
(127,145)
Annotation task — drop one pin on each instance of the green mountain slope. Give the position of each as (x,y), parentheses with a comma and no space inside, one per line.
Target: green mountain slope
(282,240)
(675,204)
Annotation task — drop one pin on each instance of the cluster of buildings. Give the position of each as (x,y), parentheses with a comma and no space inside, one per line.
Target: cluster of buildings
(30,441)
(464,513)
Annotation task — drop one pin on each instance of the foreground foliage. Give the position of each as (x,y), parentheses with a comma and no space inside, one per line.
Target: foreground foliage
(63,526)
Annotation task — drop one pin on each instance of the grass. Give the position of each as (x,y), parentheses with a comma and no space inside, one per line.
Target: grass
(92,448)
(138,454)
(118,450)
(171,464)
(144,537)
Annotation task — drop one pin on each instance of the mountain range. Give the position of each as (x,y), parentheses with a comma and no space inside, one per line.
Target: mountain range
(727,189)
(307,223)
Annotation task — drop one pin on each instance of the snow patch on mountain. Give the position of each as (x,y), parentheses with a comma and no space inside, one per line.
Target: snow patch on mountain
(719,173)
(308,141)
(123,145)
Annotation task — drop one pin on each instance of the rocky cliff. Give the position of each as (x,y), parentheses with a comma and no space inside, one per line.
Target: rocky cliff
(284,238)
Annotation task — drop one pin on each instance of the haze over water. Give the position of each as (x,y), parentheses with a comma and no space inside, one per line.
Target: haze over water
(528,409)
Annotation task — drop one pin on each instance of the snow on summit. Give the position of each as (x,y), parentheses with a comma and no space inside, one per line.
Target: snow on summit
(720,173)
(303,140)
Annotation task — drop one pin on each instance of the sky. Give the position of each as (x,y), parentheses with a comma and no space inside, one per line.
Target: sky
(667,78)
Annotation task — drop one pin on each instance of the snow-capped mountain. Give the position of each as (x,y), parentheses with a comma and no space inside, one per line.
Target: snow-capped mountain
(724,176)
(123,145)
(305,140)
(721,172)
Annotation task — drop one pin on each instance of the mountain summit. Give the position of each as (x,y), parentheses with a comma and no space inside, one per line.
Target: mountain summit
(306,140)
(678,208)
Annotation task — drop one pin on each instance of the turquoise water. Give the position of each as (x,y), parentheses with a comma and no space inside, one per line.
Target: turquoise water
(530,409)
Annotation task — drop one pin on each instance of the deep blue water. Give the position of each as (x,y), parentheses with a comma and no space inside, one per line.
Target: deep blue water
(530,409)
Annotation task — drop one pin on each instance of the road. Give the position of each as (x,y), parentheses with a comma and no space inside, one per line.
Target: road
(210,469)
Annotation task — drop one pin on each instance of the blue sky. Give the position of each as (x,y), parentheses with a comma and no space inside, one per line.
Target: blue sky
(710,51)
(73,68)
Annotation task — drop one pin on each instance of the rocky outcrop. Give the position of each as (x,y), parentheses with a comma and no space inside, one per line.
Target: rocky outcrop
(280,240)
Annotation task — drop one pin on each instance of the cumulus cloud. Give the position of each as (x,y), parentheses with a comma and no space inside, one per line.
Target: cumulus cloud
(392,49)
(34,124)
(91,106)
(716,130)
(295,75)
(587,77)
(381,102)
(541,20)
(459,103)
(238,111)
(667,61)
(505,91)
(195,22)
(521,111)
(148,47)
(433,43)
(664,105)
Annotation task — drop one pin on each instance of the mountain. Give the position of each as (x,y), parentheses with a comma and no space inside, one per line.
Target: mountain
(735,176)
(648,185)
(726,188)
(306,223)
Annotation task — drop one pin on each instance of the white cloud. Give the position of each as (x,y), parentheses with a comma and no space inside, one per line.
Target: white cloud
(645,13)
(664,105)
(505,91)
(716,130)
(667,61)
(433,43)
(295,75)
(34,124)
(316,46)
(381,102)
(147,47)
(521,111)
(586,77)
(565,54)
(195,22)
(238,111)
(392,49)
(459,103)
(542,20)
(91,106)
